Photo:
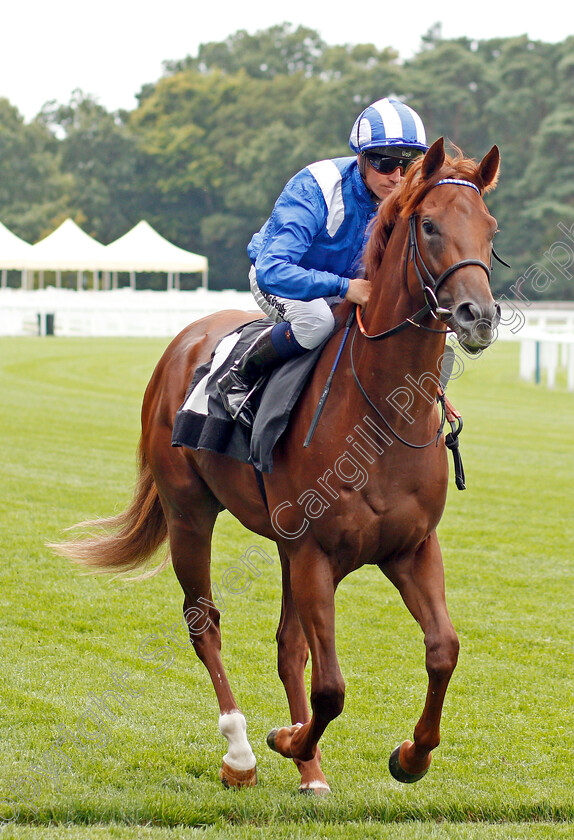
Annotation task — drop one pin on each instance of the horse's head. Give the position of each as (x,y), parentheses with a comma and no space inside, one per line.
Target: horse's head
(450,240)
(454,234)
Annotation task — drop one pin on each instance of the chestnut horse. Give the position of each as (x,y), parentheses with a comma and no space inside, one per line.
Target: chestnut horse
(377,459)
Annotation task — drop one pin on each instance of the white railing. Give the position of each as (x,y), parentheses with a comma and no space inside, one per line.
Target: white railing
(545,331)
(124,312)
(518,317)
(544,354)
(546,335)
(128,312)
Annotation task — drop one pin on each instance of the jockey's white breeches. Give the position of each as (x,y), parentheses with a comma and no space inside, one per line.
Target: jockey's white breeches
(311,320)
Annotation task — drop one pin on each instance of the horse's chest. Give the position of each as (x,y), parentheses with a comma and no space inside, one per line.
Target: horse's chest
(372,526)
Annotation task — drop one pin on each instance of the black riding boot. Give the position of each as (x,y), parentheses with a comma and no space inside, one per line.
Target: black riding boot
(243,378)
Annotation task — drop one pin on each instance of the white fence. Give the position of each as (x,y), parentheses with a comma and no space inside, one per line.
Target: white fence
(546,336)
(518,319)
(545,331)
(124,312)
(546,353)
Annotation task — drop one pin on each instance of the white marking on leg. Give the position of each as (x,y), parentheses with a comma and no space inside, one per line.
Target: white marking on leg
(315,786)
(234,727)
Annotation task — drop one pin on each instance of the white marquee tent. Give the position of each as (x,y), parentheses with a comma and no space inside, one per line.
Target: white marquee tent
(144,249)
(69,248)
(13,251)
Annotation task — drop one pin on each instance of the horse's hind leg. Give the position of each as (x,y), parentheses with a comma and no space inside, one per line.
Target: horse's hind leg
(190,522)
(292,655)
(421,584)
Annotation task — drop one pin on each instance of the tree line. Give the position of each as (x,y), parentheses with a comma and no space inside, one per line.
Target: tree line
(210,145)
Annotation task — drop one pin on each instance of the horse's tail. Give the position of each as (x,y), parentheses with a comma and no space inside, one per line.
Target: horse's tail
(124,542)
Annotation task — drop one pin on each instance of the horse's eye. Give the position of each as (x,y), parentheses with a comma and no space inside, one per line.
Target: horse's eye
(428,227)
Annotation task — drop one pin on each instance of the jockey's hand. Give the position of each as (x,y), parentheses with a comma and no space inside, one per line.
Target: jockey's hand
(358,291)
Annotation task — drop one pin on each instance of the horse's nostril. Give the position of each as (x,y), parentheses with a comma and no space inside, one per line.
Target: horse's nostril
(467,314)
(470,315)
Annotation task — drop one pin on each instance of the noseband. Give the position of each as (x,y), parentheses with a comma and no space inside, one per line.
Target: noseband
(429,284)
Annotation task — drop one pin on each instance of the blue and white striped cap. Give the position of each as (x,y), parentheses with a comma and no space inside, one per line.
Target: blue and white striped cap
(387,122)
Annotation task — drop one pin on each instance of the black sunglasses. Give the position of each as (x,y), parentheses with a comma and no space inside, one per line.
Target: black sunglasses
(385,164)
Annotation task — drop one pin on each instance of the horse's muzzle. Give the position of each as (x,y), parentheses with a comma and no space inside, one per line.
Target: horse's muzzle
(475,324)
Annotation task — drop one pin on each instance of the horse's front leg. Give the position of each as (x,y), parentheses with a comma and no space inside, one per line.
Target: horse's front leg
(292,655)
(313,591)
(420,581)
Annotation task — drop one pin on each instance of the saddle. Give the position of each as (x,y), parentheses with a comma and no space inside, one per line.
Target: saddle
(202,421)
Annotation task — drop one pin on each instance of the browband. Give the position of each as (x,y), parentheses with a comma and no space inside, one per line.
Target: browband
(458,181)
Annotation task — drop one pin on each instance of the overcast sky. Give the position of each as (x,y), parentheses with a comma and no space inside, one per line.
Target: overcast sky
(110,48)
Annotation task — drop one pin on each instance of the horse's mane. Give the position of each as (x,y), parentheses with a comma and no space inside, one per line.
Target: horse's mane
(407,197)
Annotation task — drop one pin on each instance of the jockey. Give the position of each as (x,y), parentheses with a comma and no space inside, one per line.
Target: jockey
(307,255)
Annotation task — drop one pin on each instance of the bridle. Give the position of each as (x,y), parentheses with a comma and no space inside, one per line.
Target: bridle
(430,287)
(428,283)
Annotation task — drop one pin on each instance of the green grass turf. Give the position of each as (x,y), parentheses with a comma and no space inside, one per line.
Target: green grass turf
(69,416)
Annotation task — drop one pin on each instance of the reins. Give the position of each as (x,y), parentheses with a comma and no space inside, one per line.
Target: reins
(430,288)
(382,416)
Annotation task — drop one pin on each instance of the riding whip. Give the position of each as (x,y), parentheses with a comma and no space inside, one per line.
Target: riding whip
(327,388)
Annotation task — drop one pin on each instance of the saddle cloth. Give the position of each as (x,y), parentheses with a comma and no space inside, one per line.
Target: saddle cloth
(203,423)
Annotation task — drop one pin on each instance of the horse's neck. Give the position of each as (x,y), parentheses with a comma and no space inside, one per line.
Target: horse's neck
(411,357)
(391,301)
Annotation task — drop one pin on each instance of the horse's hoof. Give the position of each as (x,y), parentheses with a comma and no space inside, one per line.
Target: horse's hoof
(315,789)
(401,775)
(271,739)
(237,778)
(285,734)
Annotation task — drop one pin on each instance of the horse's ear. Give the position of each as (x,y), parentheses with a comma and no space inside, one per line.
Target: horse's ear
(489,167)
(433,159)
